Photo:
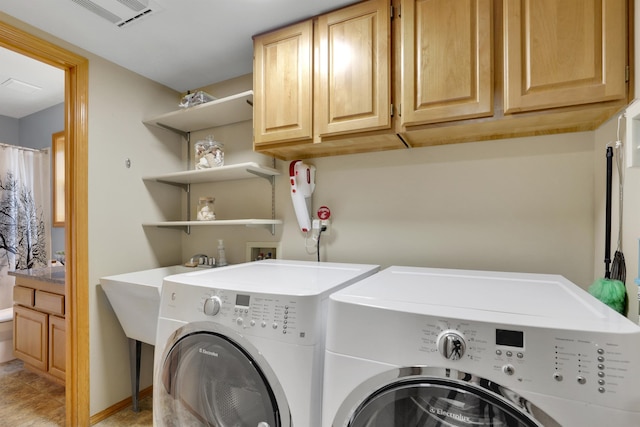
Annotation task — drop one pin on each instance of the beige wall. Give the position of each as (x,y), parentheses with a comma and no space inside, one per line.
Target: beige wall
(516,205)
(119,202)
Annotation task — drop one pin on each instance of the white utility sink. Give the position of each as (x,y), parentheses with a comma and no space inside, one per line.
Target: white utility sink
(135,297)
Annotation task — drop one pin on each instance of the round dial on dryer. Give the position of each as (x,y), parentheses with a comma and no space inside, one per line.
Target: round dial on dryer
(451,345)
(212,306)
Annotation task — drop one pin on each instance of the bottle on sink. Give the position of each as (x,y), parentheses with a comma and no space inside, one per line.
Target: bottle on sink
(222,259)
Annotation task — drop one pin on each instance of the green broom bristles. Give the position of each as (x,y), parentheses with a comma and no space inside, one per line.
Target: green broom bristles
(611,292)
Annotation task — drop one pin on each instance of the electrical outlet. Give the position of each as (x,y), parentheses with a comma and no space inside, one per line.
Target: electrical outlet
(317,224)
(326,223)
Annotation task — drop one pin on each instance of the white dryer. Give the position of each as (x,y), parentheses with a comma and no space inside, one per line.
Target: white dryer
(244,345)
(434,347)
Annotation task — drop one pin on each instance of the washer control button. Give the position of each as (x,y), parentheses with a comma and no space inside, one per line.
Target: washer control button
(499,352)
(601,351)
(275,325)
(212,306)
(600,359)
(601,381)
(600,366)
(557,376)
(252,323)
(508,369)
(509,353)
(239,321)
(601,389)
(581,379)
(601,374)
(451,345)
(520,355)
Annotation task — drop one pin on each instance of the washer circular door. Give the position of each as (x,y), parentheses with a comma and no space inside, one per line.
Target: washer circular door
(424,397)
(212,376)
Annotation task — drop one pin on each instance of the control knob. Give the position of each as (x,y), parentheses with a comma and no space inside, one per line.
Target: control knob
(212,306)
(451,345)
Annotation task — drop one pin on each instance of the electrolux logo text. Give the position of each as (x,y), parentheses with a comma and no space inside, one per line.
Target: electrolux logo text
(207,352)
(448,414)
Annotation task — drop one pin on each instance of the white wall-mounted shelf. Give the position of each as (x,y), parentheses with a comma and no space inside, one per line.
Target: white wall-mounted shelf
(238,171)
(222,173)
(224,111)
(269,224)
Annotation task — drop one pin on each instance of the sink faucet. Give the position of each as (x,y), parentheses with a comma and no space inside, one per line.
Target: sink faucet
(201,258)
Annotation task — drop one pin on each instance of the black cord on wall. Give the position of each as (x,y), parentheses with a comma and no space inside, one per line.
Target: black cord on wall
(323,228)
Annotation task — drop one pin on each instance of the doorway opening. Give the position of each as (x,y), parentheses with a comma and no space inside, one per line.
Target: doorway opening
(76,70)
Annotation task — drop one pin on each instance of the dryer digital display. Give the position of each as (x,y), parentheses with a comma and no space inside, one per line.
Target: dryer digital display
(510,338)
(242,300)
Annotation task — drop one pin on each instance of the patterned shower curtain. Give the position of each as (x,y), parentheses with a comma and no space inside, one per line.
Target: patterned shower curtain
(25,212)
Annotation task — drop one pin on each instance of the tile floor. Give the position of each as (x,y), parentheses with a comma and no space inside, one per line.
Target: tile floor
(29,400)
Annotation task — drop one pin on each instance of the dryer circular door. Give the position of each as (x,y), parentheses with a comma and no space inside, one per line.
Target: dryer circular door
(434,397)
(212,376)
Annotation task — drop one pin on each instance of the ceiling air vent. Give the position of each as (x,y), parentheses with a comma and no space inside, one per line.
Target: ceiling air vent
(119,12)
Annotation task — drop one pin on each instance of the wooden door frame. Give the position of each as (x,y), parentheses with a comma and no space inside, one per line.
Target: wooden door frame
(76,232)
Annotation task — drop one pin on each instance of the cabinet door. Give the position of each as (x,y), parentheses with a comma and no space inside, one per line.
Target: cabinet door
(30,333)
(447,60)
(283,85)
(57,350)
(561,53)
(353,69)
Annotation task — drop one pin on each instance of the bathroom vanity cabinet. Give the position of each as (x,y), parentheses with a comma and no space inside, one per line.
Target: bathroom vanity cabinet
(39,332)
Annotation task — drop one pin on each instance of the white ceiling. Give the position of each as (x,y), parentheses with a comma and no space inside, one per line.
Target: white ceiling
(36,85)
(183,44)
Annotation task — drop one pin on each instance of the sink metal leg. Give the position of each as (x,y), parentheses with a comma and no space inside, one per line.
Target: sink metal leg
(135,350)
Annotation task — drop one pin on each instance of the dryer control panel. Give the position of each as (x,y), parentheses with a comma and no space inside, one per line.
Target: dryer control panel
(597,367)
(589,366)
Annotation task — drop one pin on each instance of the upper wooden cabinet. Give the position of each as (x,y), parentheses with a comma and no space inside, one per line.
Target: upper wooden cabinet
(323,86)
(353,69)
(562,53)
(447,60)
(474,70)
(457,71)
(282,84)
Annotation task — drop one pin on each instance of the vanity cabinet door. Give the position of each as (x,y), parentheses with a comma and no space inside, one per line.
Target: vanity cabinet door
(30,336)
(57,350)
(563,53)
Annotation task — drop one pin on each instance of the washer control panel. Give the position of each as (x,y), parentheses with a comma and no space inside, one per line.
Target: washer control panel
(283,317)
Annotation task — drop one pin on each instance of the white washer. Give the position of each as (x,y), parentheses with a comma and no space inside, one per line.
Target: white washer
(434,347)
(244,345)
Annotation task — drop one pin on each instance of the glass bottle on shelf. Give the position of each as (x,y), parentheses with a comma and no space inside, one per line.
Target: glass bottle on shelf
(205,209)
(208,153)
